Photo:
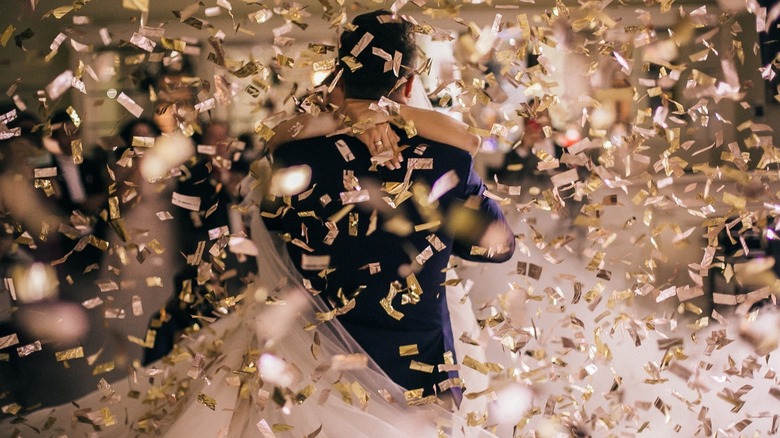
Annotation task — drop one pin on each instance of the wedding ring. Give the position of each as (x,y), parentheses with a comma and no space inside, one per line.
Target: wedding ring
(378,143)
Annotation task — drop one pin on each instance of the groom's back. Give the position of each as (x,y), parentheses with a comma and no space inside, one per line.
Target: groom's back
(358,234)
(374,242)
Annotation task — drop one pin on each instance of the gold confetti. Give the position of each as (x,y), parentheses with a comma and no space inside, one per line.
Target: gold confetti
(136,5)
(29,349)
(419,366)
(207,401)
(8,341)
(408,350)
(9,31)
(103,368)
(73,353)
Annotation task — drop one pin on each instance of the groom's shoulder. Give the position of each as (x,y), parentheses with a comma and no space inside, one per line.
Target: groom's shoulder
(309,146)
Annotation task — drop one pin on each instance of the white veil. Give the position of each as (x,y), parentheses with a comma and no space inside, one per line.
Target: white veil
(395,418)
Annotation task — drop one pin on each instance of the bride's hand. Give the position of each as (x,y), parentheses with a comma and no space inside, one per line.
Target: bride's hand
(372,128)
(382,143)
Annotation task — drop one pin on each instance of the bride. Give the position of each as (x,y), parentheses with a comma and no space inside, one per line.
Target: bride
(271,367)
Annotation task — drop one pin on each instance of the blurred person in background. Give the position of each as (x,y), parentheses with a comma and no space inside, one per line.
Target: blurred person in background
(80,191)
(213,274)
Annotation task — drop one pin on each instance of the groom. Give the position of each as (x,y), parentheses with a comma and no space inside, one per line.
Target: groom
(375,242)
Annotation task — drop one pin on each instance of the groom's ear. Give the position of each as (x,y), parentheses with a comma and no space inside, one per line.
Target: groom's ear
(408,86)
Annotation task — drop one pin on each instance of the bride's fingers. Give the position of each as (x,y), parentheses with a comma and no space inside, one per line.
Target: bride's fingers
(383,143)
(369,139)
(395,141)
(377,146)
(390,141)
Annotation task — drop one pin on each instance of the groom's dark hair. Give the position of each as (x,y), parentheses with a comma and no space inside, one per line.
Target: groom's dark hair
(391,34)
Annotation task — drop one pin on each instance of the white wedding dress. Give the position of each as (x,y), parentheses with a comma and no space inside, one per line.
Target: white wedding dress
(267,369)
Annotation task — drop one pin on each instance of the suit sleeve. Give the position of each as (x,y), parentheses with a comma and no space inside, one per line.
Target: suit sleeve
(493,241)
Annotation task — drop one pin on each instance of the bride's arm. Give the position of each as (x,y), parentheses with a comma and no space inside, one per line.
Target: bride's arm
(429,124)
(303,126)
(376,136)
(442,128)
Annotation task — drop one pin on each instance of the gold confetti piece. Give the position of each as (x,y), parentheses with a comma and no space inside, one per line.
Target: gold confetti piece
(365,40)
(92,303)
(352,63)
(9,31)
(475,365)
(164,215)
(8,341)
(29,349)
(595,261)
(207,401)
(414,290)
(129,104)
(73,353)
(529,269)
(113,208)
(113,313)
(265,429)
(423,257)
(146,343)
(45,172)
(304,394)
(408,350)
(360,393)
(419,366)
(281,427)
(11,408)
(353,224)
(142,142)
(437,244)
(98,242)
(191,203)
(137,306)
(427,226)
(413,394)
(136,5)
(103,368)
(344,150)
(107,285)
(354,197)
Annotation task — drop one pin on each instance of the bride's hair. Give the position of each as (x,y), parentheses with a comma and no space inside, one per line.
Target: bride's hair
(390,34)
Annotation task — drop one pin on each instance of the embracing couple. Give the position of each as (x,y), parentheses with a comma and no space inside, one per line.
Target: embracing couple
(373,225)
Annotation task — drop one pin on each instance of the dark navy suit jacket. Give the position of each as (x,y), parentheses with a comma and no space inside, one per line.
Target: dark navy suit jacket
(377,244)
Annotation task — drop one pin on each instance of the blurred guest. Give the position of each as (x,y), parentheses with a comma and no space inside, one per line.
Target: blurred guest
(521,164)
(141,128)
(31,220)
(81,181)
(26,198)
(213,273)
(80,193)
